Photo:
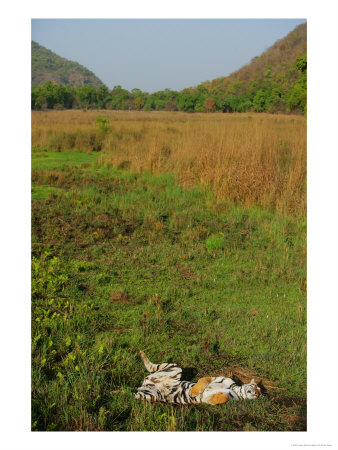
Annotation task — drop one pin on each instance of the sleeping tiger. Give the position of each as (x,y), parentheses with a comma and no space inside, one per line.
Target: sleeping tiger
(165,385)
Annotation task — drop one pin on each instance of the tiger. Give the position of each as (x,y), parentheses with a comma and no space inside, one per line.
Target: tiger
(164,384)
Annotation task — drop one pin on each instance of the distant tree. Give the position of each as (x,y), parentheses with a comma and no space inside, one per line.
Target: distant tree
(87,96)
(223,103)
(39,102)
(35,100)
(209,105)
(203,89)
(118,97)
(188,101)
(200,100)
(298,95)
(136,92)
(170,105)
(277,102)
(260,101)
(43,103)
(235,88)
(149,104)
(47,91)
(301,63)
(159,103)
(244,104)
(129,105)
(138,103)
(102,97)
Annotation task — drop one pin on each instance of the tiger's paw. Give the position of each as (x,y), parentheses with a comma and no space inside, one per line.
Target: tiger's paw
(199,387)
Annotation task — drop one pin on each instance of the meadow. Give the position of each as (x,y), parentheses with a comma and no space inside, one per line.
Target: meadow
(248,159)
(182,235)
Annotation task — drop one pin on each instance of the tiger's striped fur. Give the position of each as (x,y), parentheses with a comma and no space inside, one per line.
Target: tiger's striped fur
(164,384)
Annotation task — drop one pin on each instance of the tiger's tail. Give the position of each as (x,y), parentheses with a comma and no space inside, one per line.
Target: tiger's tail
(149,365)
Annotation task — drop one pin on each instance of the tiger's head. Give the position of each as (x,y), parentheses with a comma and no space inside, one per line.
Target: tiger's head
(252,390)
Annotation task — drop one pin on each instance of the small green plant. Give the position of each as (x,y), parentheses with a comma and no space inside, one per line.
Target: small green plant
(215,242)
(103,124)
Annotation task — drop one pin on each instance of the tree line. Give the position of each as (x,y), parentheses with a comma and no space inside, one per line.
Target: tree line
(259,96)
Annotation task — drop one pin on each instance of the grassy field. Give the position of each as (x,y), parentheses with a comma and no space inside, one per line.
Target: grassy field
(250,159)
(127,259)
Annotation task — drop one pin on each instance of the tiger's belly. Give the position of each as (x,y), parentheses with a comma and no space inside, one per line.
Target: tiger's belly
(215,395)
(219,385)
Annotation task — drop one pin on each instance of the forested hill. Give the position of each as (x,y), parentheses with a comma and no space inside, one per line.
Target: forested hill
(48,66)
(275,70)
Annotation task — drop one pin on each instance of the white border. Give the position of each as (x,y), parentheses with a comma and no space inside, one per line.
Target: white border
(322,238)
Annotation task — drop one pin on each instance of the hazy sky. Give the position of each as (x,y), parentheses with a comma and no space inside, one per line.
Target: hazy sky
(154,54)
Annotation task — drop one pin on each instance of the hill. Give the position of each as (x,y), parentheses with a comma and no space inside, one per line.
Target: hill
(274,71)
(48,66)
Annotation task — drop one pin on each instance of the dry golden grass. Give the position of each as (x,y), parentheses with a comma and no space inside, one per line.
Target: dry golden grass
(251,159)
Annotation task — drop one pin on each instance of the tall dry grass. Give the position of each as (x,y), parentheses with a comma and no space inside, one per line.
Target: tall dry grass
(251,159)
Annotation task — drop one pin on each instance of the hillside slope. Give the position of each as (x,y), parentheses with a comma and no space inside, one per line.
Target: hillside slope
(273,75)
(48,66)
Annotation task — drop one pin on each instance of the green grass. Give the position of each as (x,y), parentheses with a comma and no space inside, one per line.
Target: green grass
(39,192)
(124,262)
(56,160)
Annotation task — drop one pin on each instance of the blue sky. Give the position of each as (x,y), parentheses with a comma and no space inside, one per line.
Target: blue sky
(154,54)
